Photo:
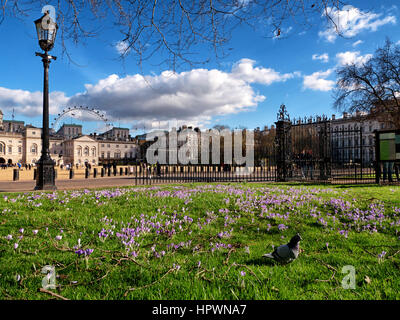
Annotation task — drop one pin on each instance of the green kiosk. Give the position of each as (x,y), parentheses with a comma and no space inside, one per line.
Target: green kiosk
(387,153)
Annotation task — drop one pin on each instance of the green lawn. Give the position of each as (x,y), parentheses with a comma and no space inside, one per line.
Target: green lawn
(201,241)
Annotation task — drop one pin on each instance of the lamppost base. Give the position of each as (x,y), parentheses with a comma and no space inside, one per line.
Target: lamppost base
(45,175)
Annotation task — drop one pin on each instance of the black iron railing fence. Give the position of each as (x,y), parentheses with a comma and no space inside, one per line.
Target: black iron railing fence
(306,150)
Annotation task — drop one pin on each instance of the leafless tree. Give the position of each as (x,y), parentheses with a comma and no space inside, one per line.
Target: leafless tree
(175,28)
(373,86)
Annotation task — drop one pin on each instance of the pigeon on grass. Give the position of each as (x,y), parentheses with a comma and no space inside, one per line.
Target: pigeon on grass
(286,253)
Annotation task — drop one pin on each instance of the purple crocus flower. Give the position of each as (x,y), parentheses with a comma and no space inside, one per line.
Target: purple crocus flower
(282,227)
(382,254)
(176,266)
(85,253)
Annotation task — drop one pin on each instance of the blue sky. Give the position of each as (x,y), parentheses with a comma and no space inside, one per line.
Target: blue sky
(245,88)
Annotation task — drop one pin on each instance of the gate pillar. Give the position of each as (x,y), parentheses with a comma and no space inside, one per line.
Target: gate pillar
(283,143)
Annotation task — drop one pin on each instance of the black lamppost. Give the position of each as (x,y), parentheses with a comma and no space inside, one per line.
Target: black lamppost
(46,30)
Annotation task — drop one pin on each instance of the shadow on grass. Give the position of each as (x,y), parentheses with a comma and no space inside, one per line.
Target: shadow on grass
(262,261)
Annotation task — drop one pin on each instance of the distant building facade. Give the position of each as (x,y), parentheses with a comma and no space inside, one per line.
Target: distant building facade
(69,131)
(20,143)
(345,142)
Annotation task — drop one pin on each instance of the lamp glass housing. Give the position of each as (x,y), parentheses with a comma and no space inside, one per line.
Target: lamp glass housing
(46,30)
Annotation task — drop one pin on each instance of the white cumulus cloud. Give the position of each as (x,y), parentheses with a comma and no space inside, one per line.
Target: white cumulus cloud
(246,71)
(29,103)
(350,21)
(194,96)
(352,57)
(323,57)
(122,47)
(318,82)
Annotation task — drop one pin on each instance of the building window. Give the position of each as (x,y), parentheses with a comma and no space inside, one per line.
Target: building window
(102,155)
(19,149)
(86,151)
(93,152)
(79,151)
(34,148)
(108,155)
(117,155)
(33,132)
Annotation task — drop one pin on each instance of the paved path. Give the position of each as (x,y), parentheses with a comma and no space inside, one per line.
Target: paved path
(91,183)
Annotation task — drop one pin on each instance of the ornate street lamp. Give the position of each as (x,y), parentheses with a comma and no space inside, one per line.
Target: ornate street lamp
(46,30)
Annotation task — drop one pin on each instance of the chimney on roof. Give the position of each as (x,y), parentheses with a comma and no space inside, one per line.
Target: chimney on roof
(345,115)
(333,117)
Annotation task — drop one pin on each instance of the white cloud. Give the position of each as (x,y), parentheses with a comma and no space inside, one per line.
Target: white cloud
(318,82)
(246,71)
(352,57)
(350,21)
(122,47)
(29,103)
(358,42)
(323,57)
(397,43)
(191,97)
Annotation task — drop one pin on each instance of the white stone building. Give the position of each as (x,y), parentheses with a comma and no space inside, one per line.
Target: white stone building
(20,143)
(81,150)
(346,141)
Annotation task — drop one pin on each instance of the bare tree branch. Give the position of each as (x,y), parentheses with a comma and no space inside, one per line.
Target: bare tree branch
(373,87)
(178,29)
